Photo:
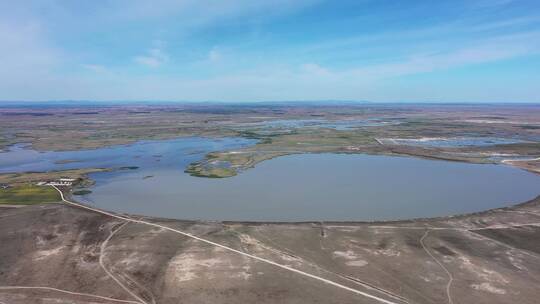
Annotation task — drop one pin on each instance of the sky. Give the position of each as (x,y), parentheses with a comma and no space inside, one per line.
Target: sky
(270,50)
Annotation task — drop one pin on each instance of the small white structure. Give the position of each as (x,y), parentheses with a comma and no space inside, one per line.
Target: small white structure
(67,180)
(62,182)
(59,183)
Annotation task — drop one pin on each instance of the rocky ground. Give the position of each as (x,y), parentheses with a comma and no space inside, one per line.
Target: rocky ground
(57,253)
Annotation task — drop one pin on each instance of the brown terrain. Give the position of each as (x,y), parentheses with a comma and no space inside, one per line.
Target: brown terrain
(87,127)
(69,253)
(63,253)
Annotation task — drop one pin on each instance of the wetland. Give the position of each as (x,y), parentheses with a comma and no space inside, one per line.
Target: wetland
(301,187)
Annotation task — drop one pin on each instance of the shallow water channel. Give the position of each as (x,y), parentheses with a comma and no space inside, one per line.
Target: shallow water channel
(308,187)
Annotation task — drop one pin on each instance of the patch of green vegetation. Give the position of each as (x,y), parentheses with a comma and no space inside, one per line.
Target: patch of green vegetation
(266,140)
(249,134)
(33,177)
(528,127)
(199,170)
(66,161)
(28,195)
(128,168)
(82,192)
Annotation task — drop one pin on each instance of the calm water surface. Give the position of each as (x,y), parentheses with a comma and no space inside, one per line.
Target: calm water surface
(455,142)
(341,125)
(146,154)
(292,188)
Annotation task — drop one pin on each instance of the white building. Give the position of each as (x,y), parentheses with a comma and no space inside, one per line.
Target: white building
(67,180)
(62,182)
(59,183)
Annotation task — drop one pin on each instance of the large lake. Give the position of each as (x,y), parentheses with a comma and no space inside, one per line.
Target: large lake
(309,187)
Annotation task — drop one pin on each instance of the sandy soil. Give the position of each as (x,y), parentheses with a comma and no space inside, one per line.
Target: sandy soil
(51,254)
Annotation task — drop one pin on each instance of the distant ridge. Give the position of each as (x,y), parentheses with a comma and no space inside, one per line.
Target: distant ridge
(329,102)
(180,102)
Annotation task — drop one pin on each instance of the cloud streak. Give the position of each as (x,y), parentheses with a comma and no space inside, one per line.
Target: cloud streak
(256,50)
(153,58)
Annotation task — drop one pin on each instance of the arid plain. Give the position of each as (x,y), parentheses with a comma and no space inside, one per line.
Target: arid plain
(58,251)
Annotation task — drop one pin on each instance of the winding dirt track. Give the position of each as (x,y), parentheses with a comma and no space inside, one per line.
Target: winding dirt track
(326,281)
(450,277)
(67,292)
(109,273)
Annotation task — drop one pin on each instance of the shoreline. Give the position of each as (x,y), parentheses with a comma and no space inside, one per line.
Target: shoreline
(198,168)
(387,260)
(531,202)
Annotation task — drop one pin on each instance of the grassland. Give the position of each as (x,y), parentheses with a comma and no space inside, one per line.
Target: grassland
(82,192)
(364,140)
(33,177)
(485,258)
(200,170)
(28,195)
(489,257)
(75,128)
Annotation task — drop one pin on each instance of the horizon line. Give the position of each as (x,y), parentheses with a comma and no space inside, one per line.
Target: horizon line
(224,102)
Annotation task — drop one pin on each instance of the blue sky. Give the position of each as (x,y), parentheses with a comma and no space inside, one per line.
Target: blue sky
(197,50)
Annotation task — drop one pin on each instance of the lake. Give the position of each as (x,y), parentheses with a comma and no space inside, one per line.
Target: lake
(456,142)
(309,187)
(340,125)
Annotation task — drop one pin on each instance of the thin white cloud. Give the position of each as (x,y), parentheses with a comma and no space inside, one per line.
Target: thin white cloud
(214,55)
(199,12)
(32,67)
(490,3)
(315,69)
(94,67)
(492,50)
(154,58)
(24,46)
